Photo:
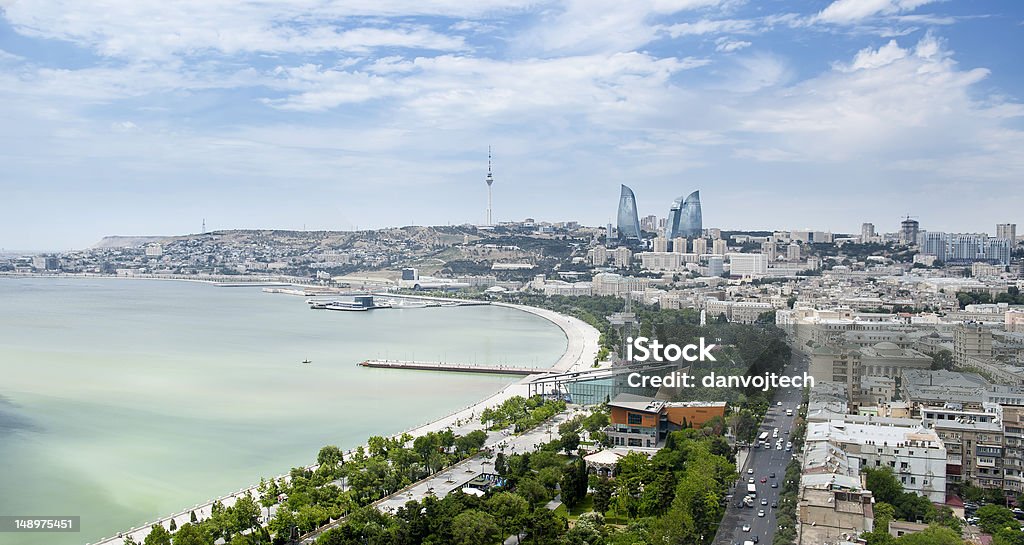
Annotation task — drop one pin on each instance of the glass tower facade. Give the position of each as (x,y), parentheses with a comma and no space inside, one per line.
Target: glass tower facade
(684,220)
(672,224)
(629,221)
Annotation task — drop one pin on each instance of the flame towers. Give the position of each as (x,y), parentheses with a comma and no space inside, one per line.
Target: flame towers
(628,220)
(684,217)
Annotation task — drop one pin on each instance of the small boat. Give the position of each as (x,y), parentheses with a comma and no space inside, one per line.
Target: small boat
(306,361)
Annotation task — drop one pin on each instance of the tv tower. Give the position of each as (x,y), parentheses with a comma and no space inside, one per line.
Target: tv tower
(490,181)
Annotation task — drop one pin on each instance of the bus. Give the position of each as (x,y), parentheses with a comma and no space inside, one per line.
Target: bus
(752,490)
(763,437)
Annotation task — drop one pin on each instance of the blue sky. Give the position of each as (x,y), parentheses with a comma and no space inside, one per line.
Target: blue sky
(138,117)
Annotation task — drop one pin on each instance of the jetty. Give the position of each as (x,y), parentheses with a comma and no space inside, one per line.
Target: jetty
(452,367)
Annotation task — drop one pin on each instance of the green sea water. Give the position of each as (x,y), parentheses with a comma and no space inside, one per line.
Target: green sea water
(122,401)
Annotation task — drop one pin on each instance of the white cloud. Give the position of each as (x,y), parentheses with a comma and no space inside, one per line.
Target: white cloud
(709,26)
(153,29)
(602,26)
(726,45)
(853,11)
(869,58)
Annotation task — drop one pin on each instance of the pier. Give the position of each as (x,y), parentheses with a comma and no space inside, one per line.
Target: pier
(452,367)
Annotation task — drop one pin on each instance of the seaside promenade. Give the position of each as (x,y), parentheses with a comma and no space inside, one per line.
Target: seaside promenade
(582,344)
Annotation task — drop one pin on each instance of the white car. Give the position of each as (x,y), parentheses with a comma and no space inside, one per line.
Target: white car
(750,480)
(760,512)
(746,527)
(779,404)
(778,446)
(750,471)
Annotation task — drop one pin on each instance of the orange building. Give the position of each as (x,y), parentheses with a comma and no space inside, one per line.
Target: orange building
(638,421)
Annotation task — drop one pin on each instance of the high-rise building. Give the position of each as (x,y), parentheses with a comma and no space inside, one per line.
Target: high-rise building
(660,244)
(628,221)
(684,217)
(716,265)
(867,233)
(679,245)
(700,246)
(649,223)
(793,252)
(719,247)
(748,265)
(908,230)
(768,249)
(1007,231)
(690,218)
(623,257)
(672,223)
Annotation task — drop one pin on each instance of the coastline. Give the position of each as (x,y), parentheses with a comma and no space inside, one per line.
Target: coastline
(581,349)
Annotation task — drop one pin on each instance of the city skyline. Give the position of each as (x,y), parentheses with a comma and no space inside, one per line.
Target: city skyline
(147,119)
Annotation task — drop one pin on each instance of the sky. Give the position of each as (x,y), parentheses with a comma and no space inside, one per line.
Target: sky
(147,117)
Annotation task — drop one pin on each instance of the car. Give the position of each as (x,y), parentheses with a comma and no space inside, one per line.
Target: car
(779,404)
(756,539)
(775,484)
(746,527)
(778,447)
(764,501)
(760,512)
(750,471)
(775,504)
(764,480)
(750,480)
(771,475)
(789,448)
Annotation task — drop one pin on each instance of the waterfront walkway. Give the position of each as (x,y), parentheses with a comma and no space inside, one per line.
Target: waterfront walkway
(582,344)
(450,367)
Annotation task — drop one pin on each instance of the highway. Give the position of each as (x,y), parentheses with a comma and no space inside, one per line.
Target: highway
(764,462)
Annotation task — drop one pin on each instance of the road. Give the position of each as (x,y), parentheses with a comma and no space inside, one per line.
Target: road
(764,462)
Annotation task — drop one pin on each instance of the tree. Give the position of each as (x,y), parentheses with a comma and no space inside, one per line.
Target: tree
(883,484)
(1008,536)
(246,514)
(602,495)
(173,525)
(992,518)
(474,527)
(942,359)
(192,534)
(570,442)
(330,456)
(508,510)
(933,535)
(158,535)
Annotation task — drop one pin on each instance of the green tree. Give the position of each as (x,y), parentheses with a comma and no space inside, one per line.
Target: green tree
(942,359)
(509,510)
(933,535)
(246,514)
(192,534)
(883,485)
(1008,536)
(602,495)
(474,527)
(992,518)
(158,535)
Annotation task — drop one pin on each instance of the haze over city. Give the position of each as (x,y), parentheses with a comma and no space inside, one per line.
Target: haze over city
(145,118)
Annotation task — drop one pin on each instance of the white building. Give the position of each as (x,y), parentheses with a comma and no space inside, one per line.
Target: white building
(617,285)
(744,265)
(916,455)
(661,261)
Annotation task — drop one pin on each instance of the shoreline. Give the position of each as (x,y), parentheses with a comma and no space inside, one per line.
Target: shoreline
(581,350)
